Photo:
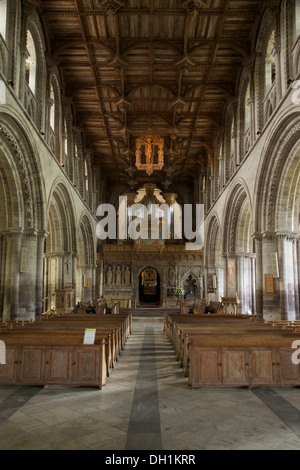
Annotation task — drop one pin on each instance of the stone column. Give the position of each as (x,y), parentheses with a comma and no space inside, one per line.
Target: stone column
(258,274)
(245,284)
(74,279)
(31,274)
(11,259)
(101,281)
(296,277)
(270,302)
(40,273)
(288,281)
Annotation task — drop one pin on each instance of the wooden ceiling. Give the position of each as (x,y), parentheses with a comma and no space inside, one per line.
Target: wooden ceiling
(128,65)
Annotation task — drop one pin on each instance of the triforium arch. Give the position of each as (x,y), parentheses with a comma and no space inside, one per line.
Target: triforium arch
(60,247)
(277,223)
(214,285)
(22,221)
(263,83)
(238,248)
(35,96)
(86,262)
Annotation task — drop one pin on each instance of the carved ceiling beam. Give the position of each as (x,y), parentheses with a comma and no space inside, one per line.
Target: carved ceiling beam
(194,5)
(219,30)
(92,61)
(111,6)
(234,13)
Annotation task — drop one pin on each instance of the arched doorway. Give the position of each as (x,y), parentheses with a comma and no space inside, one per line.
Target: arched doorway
(149,287)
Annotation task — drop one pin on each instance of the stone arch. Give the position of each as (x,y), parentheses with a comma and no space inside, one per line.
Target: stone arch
(22,223)
(243,228)
(275,174)
(34,26)
(86,261)
(60,246)
(21,156)
(190,283)
(238,248)
(230,141)
(214,258)
(267,27)
(213,239)
(277,223)
(60,200)
(86,232)
(159,271)
(234,203)
(244,131)
(55,107)
(68,136)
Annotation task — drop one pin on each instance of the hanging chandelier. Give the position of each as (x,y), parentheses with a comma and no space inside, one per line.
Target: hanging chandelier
(149,152)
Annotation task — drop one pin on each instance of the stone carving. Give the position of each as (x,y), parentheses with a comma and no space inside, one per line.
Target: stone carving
(23,171)
(171,276)
(118,276)
(109,276)
(127,276)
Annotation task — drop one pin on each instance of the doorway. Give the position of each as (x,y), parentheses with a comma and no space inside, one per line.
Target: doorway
(149,287)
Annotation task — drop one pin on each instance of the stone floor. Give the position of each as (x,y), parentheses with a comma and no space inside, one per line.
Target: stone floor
(148,405)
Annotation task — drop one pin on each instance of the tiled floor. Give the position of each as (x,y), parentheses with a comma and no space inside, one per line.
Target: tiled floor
(148,405)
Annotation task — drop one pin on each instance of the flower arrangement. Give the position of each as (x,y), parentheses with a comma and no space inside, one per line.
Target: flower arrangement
(179,292)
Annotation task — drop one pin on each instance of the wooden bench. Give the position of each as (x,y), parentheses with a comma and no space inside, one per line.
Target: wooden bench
(226,350)
(244,359)
(51,351)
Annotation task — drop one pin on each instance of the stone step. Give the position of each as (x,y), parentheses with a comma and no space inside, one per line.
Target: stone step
(149,312)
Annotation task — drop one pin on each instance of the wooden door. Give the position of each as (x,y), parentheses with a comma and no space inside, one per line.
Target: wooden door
(235,366)
(32,365)
(205,366)
(9,371)
(86,366)
(263,367)
(58,361)
(288,373)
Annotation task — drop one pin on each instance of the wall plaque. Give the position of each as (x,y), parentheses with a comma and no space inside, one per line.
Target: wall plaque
(269,284)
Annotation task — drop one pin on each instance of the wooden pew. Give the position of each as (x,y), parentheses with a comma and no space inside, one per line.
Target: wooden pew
(110,335)
(51,351)
(53,359)
(122,327)
(242,360)
(186,333)
(199,341)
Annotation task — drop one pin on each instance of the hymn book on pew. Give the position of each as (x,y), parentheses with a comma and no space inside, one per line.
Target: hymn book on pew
(89,336)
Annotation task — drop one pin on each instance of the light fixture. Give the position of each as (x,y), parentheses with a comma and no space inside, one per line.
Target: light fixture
(149,152)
